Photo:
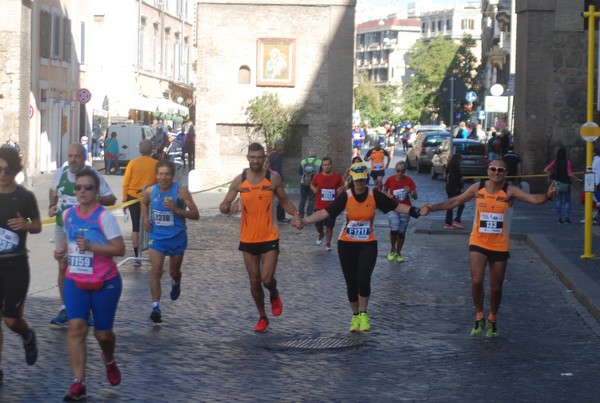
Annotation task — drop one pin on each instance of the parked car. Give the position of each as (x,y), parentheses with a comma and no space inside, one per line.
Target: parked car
(474,160)
(420,154)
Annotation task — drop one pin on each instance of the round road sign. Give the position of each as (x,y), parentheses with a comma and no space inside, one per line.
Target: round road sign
(84,95)
(30,111)
(471,96)
(590,131)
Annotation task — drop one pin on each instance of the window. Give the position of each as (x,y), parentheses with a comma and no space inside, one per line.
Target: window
(45,34)
(140,56)
(424,27)
(56,37)
(166,68)
(448,25)
(244,75)
(467,24)
(67,40)
(82,44)
(155,50)
(440,26)
(177,57)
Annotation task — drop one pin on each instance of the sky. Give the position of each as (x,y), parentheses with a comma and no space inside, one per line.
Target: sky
(381,8)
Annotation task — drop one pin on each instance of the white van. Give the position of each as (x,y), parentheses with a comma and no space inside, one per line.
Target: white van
(129,137)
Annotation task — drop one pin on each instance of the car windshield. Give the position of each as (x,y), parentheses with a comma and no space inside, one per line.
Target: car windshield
(469,149)
(431,141)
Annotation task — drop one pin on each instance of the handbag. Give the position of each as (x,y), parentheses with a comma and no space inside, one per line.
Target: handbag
(562,186)
(84,285)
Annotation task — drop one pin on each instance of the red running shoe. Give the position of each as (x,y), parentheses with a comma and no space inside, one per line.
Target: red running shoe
(458,224)
(276,306)
(113,373)
(76,392)
(261,325)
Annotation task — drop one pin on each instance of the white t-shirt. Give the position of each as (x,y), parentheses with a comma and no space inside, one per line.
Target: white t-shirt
(105,189)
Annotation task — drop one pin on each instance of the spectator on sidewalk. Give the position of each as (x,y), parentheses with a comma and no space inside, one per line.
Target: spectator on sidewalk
(454,187)
(561,173)
(276,160)
(174,153)
(111,154)
(512,160)
(88,151)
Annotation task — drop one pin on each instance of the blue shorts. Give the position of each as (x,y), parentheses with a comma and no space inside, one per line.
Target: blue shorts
(103,302)
(174,246)
(398,222)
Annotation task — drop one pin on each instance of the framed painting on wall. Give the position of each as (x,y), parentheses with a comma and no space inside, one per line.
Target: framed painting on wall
(276,62)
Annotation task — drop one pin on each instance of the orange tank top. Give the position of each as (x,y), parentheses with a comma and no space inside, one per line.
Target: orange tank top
(259,222)
(359,219)
(491,226)
(377,157)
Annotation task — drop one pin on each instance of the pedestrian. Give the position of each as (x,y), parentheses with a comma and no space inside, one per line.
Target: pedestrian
(561,173)
(92,239)
(62,196)
(357,246)
(494,146)
(96,136)
(140,172)
(377,155)
(358,139)
(189,146)
(13,142)
(276,160)
(307,169)
(174,153)
(19,216)
(111,154)
(165,207)
(390,138)
(259,233)
(489,241)
(88,151)
(596,170)
(512,160)
(401,188)
(454,187)
(326,186)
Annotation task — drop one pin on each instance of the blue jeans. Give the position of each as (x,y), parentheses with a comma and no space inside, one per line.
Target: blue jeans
(566,198)
(306,195)
(111,163)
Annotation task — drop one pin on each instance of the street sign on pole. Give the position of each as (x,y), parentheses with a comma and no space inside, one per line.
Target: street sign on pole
(590,131)
(84,95)
(471,96)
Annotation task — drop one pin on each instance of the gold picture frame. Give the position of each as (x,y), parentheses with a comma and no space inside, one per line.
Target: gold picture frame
(276,62)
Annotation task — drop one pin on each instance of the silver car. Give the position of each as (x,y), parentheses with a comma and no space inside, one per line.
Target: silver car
(420,154)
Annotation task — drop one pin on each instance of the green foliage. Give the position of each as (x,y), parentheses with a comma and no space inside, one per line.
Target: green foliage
(270,119)
(376,104)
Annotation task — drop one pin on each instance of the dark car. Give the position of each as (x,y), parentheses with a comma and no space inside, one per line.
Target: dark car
(474,160)
(420,154)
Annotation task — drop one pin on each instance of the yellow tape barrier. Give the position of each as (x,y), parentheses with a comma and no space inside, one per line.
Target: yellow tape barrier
(520,176)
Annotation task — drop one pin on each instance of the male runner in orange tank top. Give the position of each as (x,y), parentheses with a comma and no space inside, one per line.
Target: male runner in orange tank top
(489,242)
(259,188)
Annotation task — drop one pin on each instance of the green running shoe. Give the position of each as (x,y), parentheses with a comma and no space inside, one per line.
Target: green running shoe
(365,324)
(399,258)
(355,324)
(392,256)
(492,330)
(478,329)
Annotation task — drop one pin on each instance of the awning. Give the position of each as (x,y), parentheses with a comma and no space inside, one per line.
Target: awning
(121,106)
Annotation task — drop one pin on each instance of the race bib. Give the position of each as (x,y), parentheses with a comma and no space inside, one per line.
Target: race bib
(491,223)
(400,194)
(80,262)
(327,194)
(359,230)
(68,201)
(8,241)
(377,167)
(164,218)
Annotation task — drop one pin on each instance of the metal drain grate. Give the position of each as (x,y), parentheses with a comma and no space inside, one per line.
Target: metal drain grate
(322,343)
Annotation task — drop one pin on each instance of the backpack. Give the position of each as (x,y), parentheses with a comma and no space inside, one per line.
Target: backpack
(497,145)
(309,169)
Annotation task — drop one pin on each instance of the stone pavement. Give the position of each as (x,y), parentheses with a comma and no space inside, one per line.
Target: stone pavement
(419,348)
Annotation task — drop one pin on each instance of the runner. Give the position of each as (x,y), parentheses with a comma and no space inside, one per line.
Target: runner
(19,215)
(326,186)
(377,155)
(259,233)
(62,196)
(489,242)
(92,238)
(357,246)
(165,206)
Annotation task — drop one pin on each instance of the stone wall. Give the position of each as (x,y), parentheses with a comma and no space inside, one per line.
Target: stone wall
(324,40)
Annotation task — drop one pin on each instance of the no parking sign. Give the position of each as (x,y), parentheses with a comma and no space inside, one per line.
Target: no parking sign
(84,95)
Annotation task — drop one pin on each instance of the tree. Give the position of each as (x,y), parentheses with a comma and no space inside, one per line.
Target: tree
(270,119)
(376,104)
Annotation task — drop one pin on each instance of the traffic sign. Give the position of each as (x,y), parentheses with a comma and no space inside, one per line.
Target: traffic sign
(471,96)
(590,131)
(84,95)
(453,89)
(481,115)
(30,111)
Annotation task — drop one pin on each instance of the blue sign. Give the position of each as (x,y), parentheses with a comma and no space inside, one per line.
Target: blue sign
(471,96)
(481,115)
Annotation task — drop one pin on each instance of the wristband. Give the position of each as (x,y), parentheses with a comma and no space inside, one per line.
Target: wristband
(414,212)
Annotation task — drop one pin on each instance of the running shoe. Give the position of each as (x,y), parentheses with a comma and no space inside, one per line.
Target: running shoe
(365,323)
(448,226)
(175,290)
(493,329)
(458,224)
(399,258)
(276,306)
(113,373)
(355,324)
(567,221)
(261,325)
(76,392)
(478,328)
(392,256)
(319,240)
(31,350)
(156,315)
(328,247)
(60,319)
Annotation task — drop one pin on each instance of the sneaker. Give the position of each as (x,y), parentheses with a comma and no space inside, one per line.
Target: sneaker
(137,263)
(261,325)
(76,392)
(478,328)
(320,240)
(458,224)
(175,290)
(492,330)
(156,315)
(560,221)
(328,247)
(448,226)
(355,324)
(60,319)
(399,258)
(392,256)
(365,324)
(31,350)
(113,373)
(276,306)
(567,221)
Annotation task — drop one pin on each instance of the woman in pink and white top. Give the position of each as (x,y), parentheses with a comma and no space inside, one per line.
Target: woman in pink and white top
(93,282)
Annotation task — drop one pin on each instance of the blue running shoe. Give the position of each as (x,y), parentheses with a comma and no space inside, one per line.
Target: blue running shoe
(175,290)
(60,319)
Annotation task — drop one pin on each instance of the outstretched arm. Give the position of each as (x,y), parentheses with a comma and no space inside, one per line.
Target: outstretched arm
(537,198)
(453,201)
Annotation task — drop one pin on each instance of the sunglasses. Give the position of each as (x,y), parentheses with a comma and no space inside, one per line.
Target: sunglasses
(359,169)
(6,171)
(85,187)
(401,170)
(498,169)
